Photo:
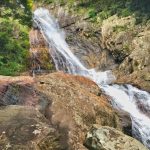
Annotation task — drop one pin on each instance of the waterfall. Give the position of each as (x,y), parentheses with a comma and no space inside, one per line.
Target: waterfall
(123,97)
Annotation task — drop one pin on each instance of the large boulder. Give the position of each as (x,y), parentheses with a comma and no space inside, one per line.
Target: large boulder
(107,138)
(139,79)
(71,104)
(76,103)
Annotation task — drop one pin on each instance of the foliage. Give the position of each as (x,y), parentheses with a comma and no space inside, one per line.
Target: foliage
(92,13)
(14,47)
(17,9)
(106,8)
(15,20)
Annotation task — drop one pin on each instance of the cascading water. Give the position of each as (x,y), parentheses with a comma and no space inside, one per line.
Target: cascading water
(123,97)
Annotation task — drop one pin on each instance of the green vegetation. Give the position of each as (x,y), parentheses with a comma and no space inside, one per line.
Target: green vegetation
(17,9)
(14,46)
(102,9)
(15,20)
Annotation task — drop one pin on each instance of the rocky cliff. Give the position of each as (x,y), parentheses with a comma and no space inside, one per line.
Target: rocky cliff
(117,43)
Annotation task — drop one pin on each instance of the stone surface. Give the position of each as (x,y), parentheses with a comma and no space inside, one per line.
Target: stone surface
(126,122)
(70,104)
(40,58)
(130,47)
(25,128)
(139,79)
(107,138)
(17,90)
(117,36)
(140,55)
(75,105)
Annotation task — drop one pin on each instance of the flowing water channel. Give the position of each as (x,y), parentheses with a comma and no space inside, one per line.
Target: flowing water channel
(123,97)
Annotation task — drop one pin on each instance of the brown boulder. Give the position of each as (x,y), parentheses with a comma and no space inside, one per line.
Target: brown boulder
(71,104)
(75,105)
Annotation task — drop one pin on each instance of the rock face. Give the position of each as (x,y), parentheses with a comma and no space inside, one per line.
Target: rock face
(65,104)
(40,58)
(17,91)
(107,138)
(75,105)
(25,128)
(129,45)
(135,67)
(137,78)
(117,43)
(83,38)
(117,37)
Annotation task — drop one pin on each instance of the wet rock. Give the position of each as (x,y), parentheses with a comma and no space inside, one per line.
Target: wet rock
(40,59)
(138,79)
(126,122)
(117,43)
(144,107)
(107,138)
(83,38)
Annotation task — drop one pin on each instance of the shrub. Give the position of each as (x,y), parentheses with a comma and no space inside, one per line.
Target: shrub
(14,46)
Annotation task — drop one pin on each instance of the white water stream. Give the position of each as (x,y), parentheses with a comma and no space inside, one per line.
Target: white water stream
(123,97)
